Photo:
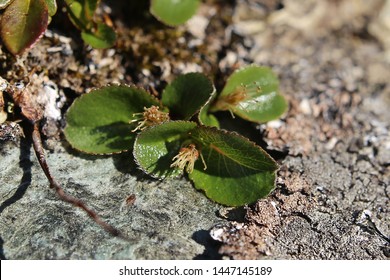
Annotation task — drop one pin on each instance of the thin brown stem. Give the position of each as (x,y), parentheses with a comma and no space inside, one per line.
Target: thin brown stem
(39,151)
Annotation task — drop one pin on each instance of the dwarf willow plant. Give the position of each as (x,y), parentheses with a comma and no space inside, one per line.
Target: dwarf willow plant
(24,21)
(179,132)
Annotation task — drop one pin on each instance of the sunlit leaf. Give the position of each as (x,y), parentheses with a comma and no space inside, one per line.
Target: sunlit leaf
(237,171)
(187,94)
(253,94)
(154,148)
(100,38)
(99,122)
(174,12)
(22,24)
(229,168)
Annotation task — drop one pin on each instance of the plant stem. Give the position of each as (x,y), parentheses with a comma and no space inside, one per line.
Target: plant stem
(39,152)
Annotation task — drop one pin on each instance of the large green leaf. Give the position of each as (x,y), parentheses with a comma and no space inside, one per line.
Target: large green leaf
(238,171)
(154,148)
(101,37)
(99,122)
(229,168)
(4,3)
(174,12)
(252,93)
(22,24)
(187,94)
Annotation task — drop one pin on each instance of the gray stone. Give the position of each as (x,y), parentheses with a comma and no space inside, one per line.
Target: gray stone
(168,220)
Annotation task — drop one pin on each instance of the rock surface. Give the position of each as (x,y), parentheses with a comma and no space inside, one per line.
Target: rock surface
(167,220)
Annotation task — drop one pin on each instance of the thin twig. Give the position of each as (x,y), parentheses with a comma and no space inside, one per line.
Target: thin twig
(39,152)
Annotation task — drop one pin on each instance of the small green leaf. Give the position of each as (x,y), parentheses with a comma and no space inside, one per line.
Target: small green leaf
(101,38)
(97,34)
(238,171)
(208,119)
(187,94)
(174,12)
(22,24)
(252,93)
(154,148)
(99,122)
(76,14)
(51,7)
(90,7)
(4,3)
(81,12)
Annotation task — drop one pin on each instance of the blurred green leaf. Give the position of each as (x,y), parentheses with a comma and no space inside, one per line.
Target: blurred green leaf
(95,33)
(22,24)
(187,94)
(238,171)
(100,38)
(77,13)
(99,122)
(174,12)
(252,93)
(81,12)
(51,7)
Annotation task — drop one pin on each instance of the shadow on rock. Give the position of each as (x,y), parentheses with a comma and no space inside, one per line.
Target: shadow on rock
(211,246)
(25,164)
(125,163)
(2,256)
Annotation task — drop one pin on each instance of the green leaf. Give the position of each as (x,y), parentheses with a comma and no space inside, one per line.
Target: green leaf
(102,37)
(187,94)
(76,14)
(238,171)
(97,34)
(154,148)
(174,12)
(98,122)
(208,119)
(4,3)
(22,24)
(204,116)
(252,93)
(81,12)
(51,6)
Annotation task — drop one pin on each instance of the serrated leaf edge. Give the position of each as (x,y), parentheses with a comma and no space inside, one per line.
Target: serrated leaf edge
(206,193)
(255,146)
